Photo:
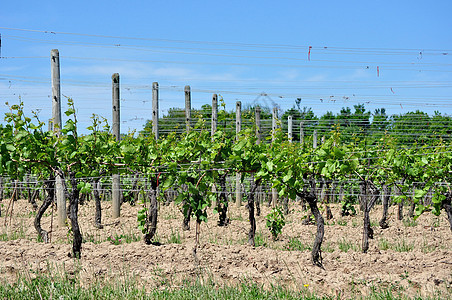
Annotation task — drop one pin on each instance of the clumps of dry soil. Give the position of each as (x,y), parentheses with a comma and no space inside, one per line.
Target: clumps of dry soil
(411,258)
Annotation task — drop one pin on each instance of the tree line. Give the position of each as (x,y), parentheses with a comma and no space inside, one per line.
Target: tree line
(353,123)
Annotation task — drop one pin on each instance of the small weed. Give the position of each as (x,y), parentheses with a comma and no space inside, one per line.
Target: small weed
(161,278)
(275,222)
(123,238)
(374,223)
(295,244)
(39,239)
(174,238)
(348,209)
(237,218)
(260,240)
(15,235)
(409,222)
(213,239)
(171,216)
(30,214)
(115,240)
(404,275)
(341,222)
(383,244)
(156,240)
(402,246)
(436,222)
(328,248)
(91,238)
(426,248)
(345,245)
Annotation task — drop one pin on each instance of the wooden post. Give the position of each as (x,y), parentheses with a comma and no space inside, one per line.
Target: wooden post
(298,199)
(155,109)
(238,118)
(56,126)
(274,125)
(187,107)
(258,123)
(238,177)
(259,196)
(214,114)
(314,139)
(116,184)
(213,129)
(301,132)
(289,128)
(115,106)
(274,122)
(56,90)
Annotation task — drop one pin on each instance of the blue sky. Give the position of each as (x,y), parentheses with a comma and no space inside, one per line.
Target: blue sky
(391,54)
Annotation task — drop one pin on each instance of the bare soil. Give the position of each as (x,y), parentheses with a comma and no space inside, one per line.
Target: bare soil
(409,258)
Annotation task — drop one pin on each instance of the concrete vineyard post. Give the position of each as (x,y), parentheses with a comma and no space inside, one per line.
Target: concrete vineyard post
(56,126)
(238,177)
(155,109)
(187,92)
(289,128)
(115,106)
(116,185)
(213,129)
(214,114)
(257,114)
(258,123)
(56,90)
(301,133)
(274,127)
(314,139)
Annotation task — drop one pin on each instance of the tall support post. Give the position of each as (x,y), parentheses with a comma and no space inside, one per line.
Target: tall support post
(56,127)
(187,91)
(257,113)
(274,122)
(290,128)
(213,129)
(214,114)
(116,182)
(238,118)
(314,139)
(298,199)
(115,106)
(301,132)
(56,90)
(274,126)
(155,109)
(238,177)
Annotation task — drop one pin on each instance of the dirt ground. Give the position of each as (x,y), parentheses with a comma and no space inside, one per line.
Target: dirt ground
(409,258)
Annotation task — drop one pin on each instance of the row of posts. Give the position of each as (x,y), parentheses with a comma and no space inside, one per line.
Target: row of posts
(55,124)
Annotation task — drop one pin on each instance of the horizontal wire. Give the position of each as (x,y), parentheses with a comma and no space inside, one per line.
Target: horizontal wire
(147,48)
(267,45)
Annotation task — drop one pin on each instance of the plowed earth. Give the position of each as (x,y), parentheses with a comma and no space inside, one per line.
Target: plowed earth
(408,258)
